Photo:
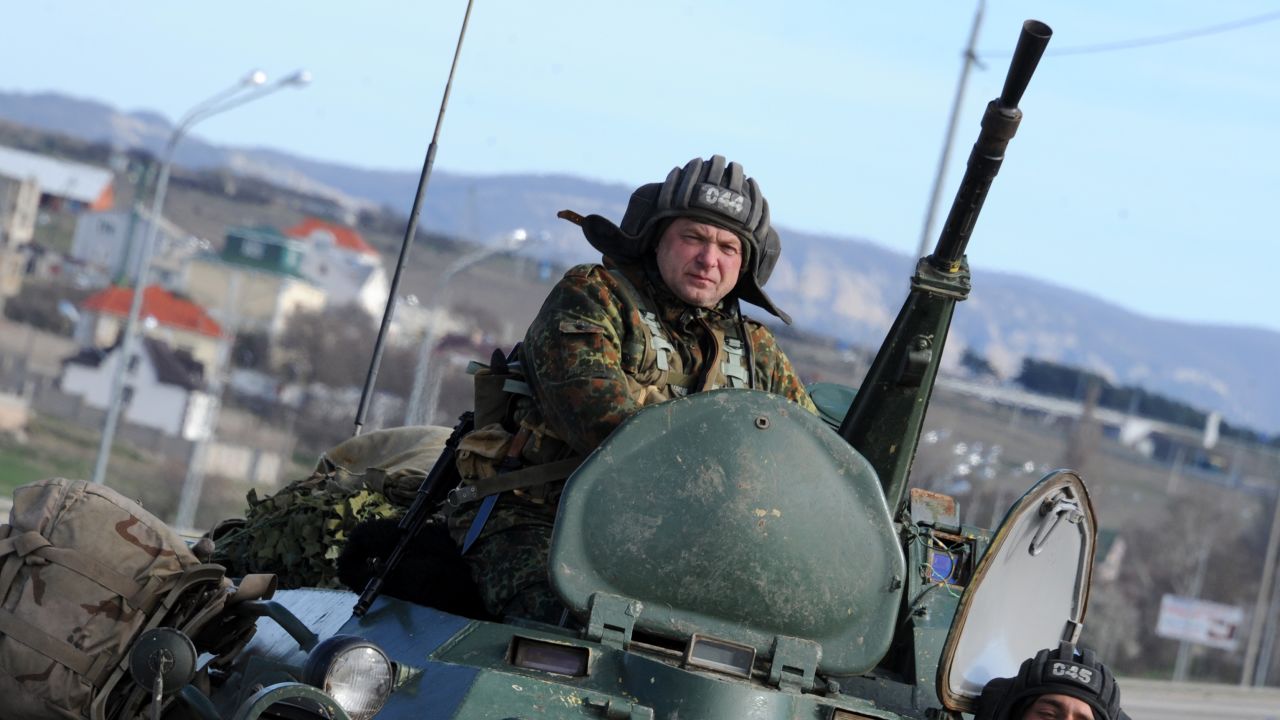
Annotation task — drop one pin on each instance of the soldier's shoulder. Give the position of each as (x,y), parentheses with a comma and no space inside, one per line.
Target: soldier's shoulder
(755,327)
(596,280)
(583,290)
(586,271)
(760,333)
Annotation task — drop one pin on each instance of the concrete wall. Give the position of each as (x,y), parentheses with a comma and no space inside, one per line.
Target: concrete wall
(14,411)
(247,451)
(242,463)
(249,466)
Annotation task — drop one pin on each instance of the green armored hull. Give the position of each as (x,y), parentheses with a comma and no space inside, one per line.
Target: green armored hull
(728,557)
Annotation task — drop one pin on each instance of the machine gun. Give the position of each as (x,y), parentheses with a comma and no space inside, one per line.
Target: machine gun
(884,421)
(442,478)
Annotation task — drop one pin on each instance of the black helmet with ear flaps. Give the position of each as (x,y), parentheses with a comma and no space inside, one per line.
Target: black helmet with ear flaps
(1062,671)
(714,191)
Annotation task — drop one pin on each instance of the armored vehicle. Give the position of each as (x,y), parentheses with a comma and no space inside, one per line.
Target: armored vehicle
(723,555)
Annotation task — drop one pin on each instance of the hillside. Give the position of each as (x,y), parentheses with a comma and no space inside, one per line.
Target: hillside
(841,286)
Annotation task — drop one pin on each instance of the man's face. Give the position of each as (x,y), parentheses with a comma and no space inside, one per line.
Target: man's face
(699,262)
(1058,707)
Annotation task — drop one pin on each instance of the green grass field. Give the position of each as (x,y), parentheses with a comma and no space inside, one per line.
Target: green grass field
(18,469)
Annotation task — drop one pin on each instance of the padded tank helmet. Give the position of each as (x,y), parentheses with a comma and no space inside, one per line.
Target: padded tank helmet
(714,191)
(1063,671)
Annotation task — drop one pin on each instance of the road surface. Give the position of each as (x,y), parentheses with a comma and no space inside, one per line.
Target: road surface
(1149,700)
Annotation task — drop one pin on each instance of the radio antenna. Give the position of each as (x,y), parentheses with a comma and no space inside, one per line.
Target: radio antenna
(371,378)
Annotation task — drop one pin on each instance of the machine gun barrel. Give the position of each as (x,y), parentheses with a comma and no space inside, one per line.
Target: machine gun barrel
(999,124)
(884,420)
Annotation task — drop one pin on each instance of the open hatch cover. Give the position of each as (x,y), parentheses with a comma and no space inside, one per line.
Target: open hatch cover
(737,515)
(1028,592)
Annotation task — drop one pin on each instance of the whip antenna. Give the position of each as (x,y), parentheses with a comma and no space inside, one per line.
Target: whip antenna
(370,379)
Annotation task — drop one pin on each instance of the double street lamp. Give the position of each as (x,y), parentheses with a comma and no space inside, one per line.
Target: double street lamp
(250,88)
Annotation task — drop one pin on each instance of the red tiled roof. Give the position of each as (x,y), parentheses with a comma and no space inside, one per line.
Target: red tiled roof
(344,237)
(167,308)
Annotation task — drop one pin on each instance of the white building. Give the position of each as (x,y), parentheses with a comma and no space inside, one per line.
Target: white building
(31,183)
(19,203)
(63,184)
(111,241)
(164,388)
(339,261)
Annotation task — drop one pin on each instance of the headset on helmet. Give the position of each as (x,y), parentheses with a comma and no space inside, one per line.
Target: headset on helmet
(1063,671)
(714,191)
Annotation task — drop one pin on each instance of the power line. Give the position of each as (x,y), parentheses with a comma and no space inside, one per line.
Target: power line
(1155,39)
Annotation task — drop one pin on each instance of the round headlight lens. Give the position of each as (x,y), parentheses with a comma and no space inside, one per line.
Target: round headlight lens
(354,672)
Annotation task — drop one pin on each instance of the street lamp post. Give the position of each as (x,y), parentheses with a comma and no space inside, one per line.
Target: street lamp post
(420,412)
(221,102)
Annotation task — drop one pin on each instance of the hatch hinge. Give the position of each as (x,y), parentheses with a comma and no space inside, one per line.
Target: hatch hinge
(612,619)
(795,663)
(1053,510)
(615,709)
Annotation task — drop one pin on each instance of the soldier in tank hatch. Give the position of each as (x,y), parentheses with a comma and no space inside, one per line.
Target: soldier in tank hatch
(1059,684)
(657,320)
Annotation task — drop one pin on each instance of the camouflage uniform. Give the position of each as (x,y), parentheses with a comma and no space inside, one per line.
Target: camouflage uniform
(589,366)
(591,363)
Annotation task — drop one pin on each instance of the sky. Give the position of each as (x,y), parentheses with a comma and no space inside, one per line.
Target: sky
(1143,175)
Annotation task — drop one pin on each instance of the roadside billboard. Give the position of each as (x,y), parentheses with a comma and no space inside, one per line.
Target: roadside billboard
(1200,621)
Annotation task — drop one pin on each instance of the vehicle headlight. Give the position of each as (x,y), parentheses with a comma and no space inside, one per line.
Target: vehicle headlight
(353,671)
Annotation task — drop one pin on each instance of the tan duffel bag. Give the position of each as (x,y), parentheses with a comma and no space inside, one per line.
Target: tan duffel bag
(84,570)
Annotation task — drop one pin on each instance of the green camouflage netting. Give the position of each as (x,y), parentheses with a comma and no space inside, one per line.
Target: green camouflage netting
(298,532)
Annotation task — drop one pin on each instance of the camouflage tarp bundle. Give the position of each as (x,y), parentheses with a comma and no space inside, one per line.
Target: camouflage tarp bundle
(299,532)
(81,570)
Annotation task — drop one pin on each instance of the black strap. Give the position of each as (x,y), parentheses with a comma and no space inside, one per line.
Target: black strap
(515,480)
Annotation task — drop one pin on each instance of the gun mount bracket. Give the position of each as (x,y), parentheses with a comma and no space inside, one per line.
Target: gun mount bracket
(612,619)
(916,361)
(931,279)
(795,663)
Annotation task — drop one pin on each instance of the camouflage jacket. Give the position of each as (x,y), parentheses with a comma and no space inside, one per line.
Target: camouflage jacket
(590,363)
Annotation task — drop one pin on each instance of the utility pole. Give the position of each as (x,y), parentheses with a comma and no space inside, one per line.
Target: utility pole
(193,483)
(1261,614)
(1183,662)
(1269,637)
(970,59)
(124,271)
